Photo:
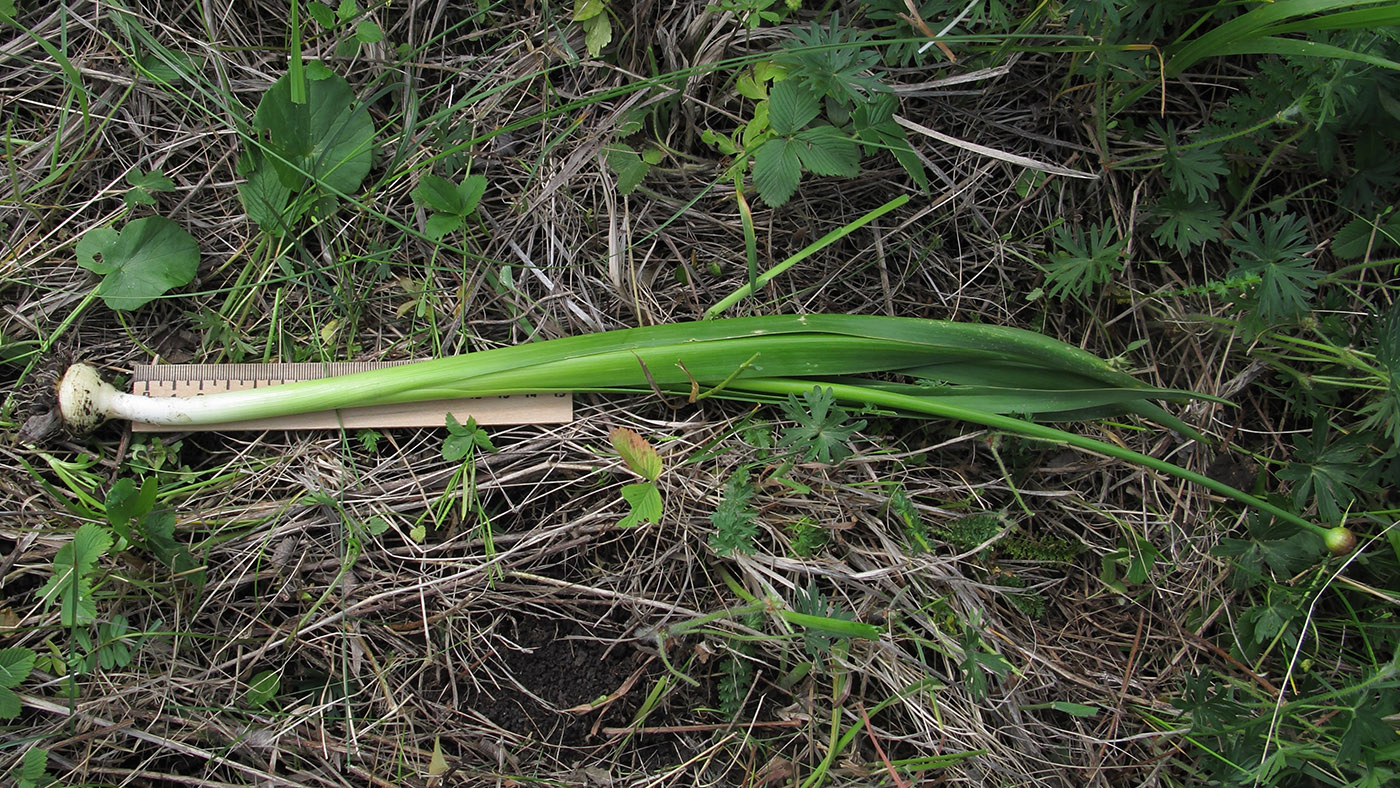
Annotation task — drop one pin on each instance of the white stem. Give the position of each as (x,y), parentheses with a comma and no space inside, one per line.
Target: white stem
(86,400)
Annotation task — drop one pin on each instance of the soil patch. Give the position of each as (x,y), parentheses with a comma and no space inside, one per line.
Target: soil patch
(559,667)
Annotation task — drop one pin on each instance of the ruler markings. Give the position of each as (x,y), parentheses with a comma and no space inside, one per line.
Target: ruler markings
(167,380)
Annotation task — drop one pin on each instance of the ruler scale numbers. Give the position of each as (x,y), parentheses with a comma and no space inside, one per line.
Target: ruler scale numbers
(182,380)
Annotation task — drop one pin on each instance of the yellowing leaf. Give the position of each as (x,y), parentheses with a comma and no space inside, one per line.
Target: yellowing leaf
(437,767)
(639,455)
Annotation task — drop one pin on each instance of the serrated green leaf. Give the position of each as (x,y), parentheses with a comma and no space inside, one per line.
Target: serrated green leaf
(322,13)
(440,224)
(15,666)
(791,107)
(346,10)
(471,190)
(69,588)
(143,261)
(1360,236)
(825,150)
(597,34)
(439,194)
(368,32)
(587,9)
(776,171)
(628,166)
(32,766)
(643,501)
(9,704)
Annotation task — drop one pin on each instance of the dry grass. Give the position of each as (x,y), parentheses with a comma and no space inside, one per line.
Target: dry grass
(385,645)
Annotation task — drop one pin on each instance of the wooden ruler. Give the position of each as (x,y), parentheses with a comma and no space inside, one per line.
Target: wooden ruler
(172,380)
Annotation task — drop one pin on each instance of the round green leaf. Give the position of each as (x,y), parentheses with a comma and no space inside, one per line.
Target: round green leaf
(329,138)
(142,262)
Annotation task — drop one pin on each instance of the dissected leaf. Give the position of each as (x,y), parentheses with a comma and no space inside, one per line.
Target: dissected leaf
(597,33)
(1187,223)
(821,433)
(142,262)
(1328,472)
(735,519)
(1083,261)
(144,186)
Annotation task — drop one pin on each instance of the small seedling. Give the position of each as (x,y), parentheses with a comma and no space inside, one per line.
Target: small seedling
(450,203)
(643,498)
(822,432)
(630,166)
(71,585)
(132,513)
(735,519)
(144,187)
(463,440)
(978,660)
